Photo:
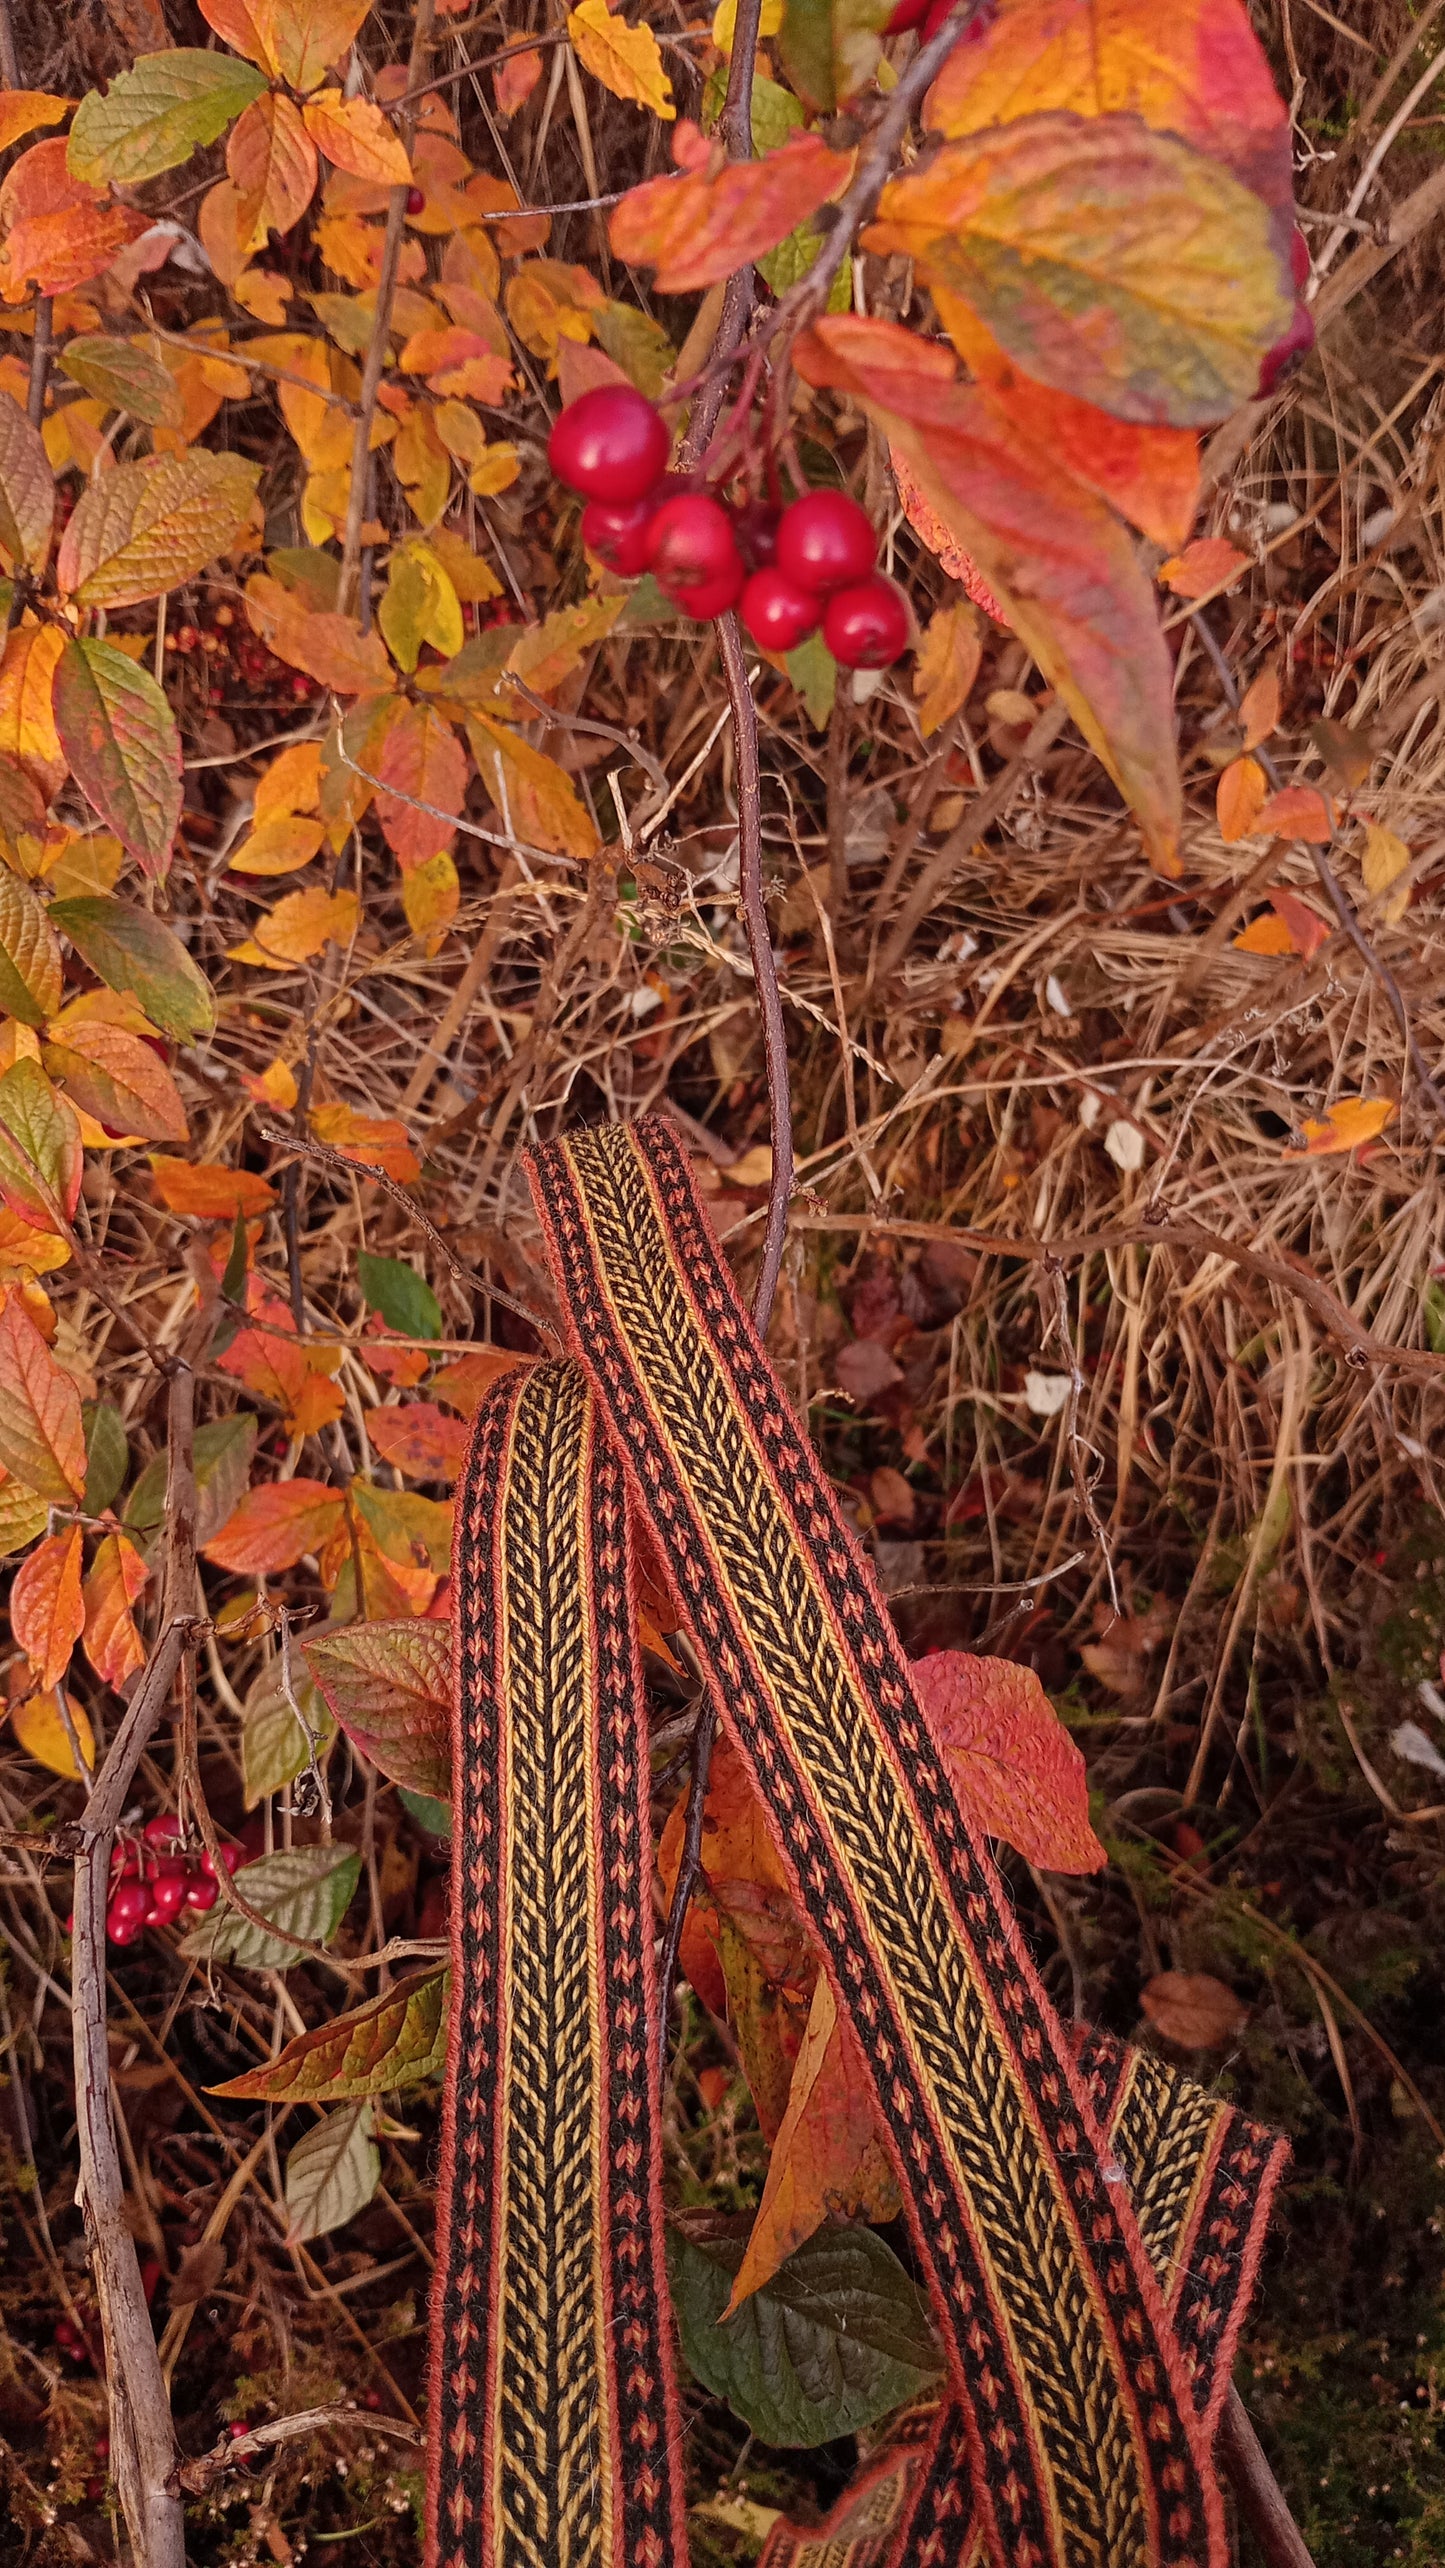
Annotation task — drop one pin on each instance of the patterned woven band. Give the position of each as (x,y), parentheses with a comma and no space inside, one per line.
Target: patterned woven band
(1087,2224)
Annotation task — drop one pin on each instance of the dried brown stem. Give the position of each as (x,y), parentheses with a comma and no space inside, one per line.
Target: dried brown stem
(1257,2491)
(142,2438)
(198,2475)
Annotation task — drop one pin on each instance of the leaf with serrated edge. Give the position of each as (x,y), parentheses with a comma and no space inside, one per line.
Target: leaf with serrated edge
(145,527)
(42,1126)
(153,116)
(275,1746)
(42,1438)
(694,229)
(27,489)
(116,1077)
(119,735)
(125,377)
(355,136)
(1018,1773)
(389,1685)
(307,1889)
(271,160)
(1113,263)
(398,2038)
(276,1526)
(625,59)
(131,951)
(332,2174)
(1062,568)
(305,37)
(31,967)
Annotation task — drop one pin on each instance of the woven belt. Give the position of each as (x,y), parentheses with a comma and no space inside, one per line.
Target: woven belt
(1086,2223)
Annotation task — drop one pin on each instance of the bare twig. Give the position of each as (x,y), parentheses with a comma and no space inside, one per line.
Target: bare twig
(1260,2497)
(142,2438)
(198,2475)
(381,329)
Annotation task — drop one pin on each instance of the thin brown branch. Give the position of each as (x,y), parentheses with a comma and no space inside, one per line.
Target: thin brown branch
(765,970)
(142,2438)
(1258,2493)
(381,329)
(199,2475)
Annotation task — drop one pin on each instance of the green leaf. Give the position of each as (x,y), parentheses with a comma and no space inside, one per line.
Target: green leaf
(308,1890)
(125,377)
(313,577)
(637,343)
(1434,1310)
(223,1451)
(830,48)
(31,965)
(129,950)
(274,1744)
(121,743)
(27,489)
(332,2174)
(390,1685)
(814,673)
(791,260)
(395,2040)
(107,1455)
(404,1298)
(429,1813)
(41,1125)
(837,2338)
(776,115)
(155,114)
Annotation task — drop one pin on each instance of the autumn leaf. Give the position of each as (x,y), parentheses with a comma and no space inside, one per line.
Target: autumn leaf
(1259,708)
(121,743)
(328,647)
(209,1192)
(625,59)
(55,231)
(395,2040)
(43,1130)
(291,783)
(279,846)
(271,160)
(27,720)
(117,1077)
(298,927)
(513,82)
(133,952)
(1297,811)
(419,1440)
(378,1141)
(1019,1774)
(946,665)
(1385,859)
(41,1732)
(356,136)
(829,2157)
(1113,263)
(465,1384)
(153,116)
(1349,1122)
(305,37)
(42,1440)
(421,604)
(1193,2010)
(545,654)
(22,110)
(124,376)
(1289,927)
(1203,567)
(275,1526)
(118,1575)
(694,229)
(1239,799)
(27,490)
(422,765)
(31,966)
(1061,567)
(530,788)
(389,1686)
(47,1615)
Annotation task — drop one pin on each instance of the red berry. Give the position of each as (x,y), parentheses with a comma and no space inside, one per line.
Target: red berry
(866,627)
(906,15)
(609,444)
(690,543)
(230,1857)
(122,1930)
(778,614)
(825,542)
(415,201)
(128,1904)
(616,531)
(756,527)
(706,598)
(201,1892)
(1288,352)
(168,1898)
(162,1831)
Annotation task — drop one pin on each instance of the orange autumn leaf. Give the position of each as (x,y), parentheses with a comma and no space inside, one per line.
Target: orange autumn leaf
(1239,799)
(694,229)
(22,110)
(423,765)
(377,1141)
(271,160)
(1350,1121)
(275,1526)
(27,718)
(1193,2009)
(1203,567)
(56,231)
(829,2158)
(330,648)
(1260,708)
(1019,1774)
(420,1440)
(47,1615)
(356,136)
(280,846)
(1297,811)
(299,926)
(118,1575)
(291,784)
(1305,930)
(513,82)
(465,1384)
(209,1192)
(1267,935)
(42,1437)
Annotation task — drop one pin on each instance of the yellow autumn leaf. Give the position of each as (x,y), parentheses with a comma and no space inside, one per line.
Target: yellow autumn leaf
(1385,859)
(625,59)
(273,1086)
(947,664)
(355,136)
(1350,1121)
(725,18)
(41,1732)
(298,927)
(280,846)
(292,782)
(539,801)
(496,472)
(430,896)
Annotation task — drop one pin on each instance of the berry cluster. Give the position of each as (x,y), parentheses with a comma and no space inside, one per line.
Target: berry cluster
(150,1883)
(788,571)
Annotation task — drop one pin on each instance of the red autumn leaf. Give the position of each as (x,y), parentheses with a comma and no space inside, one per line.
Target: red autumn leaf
(277,1525)
(420,1439)
(1193,2009)
(829,2157)
(390,1687)
(423,761)
(47,1615)
(117,1577)
(1297,811)
(1019,1774)
(276,1364)
(58,232)
(42,1438)
(694,229)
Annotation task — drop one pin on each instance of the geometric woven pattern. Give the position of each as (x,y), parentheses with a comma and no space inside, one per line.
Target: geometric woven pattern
(1086,2224)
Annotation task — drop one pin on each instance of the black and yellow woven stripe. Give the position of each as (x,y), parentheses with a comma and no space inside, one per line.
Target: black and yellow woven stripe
(1076,2436)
